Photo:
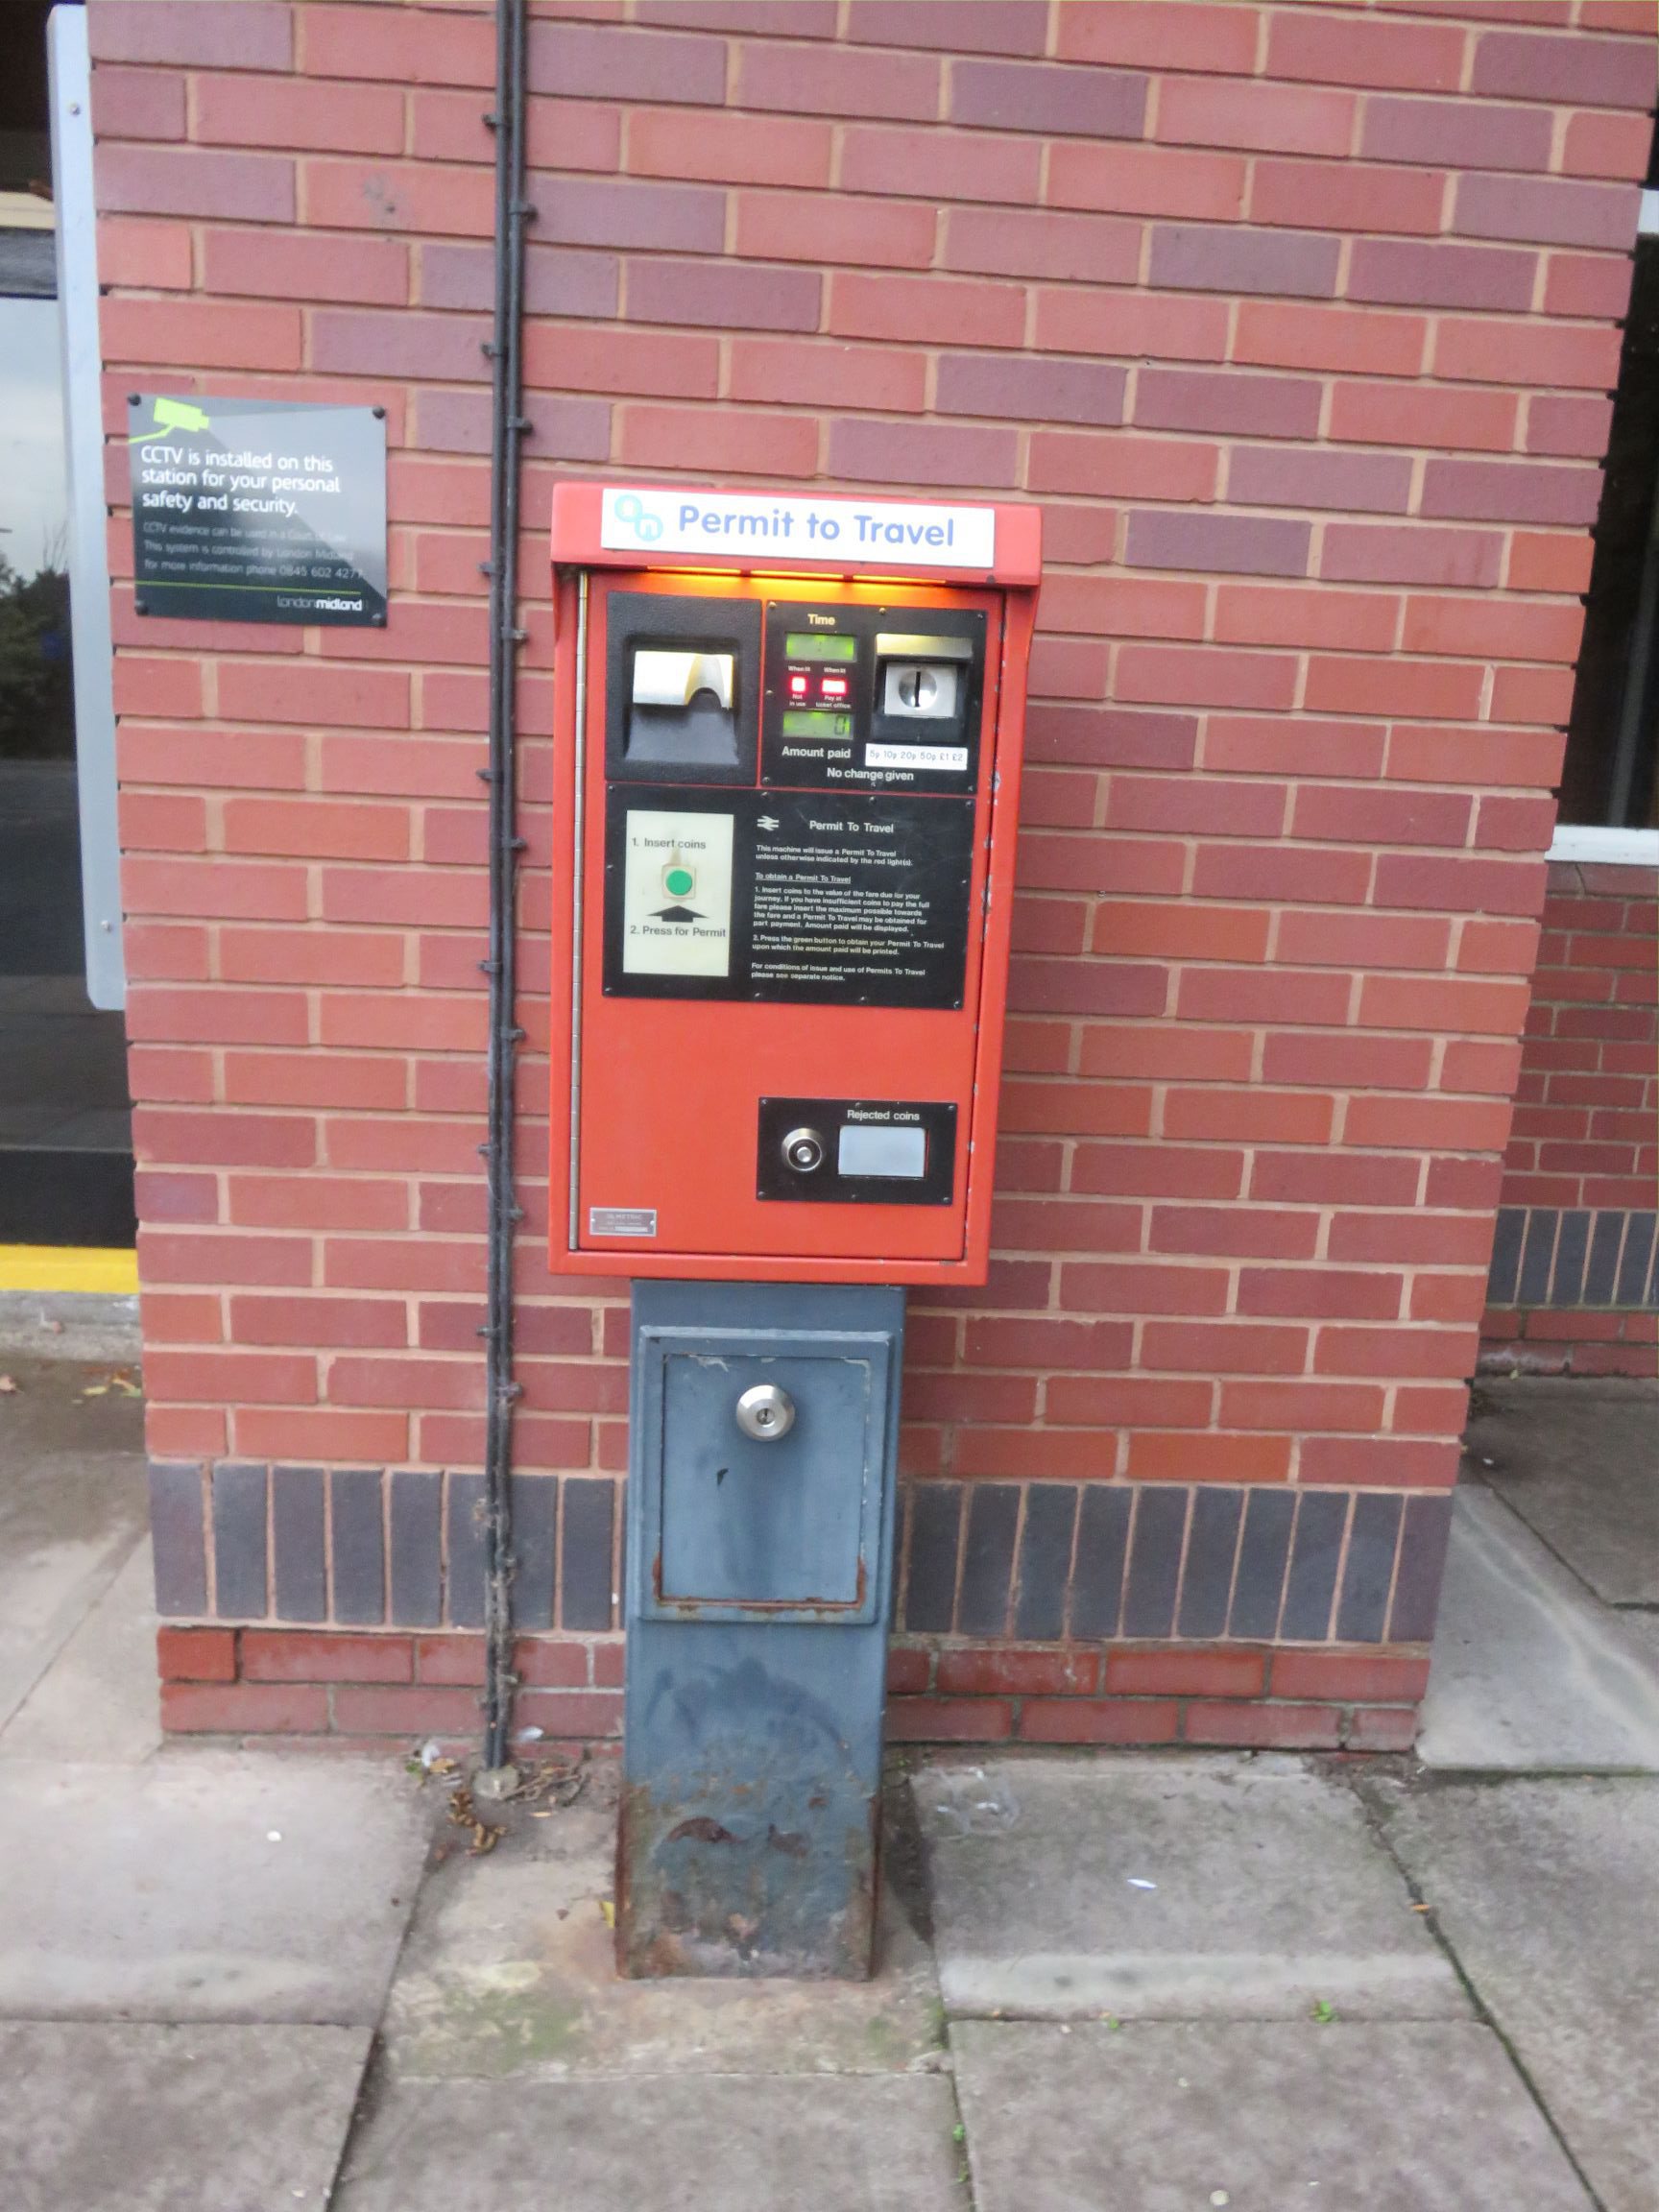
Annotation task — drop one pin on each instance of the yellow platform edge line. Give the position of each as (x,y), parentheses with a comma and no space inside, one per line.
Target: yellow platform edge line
(67,1267)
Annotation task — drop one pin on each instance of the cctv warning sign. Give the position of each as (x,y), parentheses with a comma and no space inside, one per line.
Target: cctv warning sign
(259,511)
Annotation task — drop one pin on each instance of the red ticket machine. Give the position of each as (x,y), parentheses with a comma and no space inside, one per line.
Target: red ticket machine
(788,745)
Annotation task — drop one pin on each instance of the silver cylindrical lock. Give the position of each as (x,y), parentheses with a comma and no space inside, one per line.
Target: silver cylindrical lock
(765,1412)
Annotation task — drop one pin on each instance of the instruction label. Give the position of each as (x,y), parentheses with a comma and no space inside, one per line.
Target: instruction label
(677,894)
(258,510)
(830,898)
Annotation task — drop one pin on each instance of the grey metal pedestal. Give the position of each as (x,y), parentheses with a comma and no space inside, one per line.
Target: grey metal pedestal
(762,1449)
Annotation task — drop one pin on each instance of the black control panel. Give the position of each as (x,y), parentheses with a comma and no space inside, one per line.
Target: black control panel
(873,698)
(856,1151)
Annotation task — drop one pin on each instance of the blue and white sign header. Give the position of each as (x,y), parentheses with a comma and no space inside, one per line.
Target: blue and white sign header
(872,533)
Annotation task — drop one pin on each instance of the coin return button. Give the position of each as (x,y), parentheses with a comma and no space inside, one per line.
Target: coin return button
(900,1153)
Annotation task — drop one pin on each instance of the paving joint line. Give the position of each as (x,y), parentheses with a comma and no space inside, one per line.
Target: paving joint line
(1371,1811)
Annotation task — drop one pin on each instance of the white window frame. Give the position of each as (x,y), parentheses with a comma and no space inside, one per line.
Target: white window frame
(70,70)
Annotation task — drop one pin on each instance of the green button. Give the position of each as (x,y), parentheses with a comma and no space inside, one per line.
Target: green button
(678,882)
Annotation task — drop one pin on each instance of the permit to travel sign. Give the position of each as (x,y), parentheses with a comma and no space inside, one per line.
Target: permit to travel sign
(871,533)
(258,510)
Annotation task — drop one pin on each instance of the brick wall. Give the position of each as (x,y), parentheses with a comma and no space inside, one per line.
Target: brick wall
(1299,322)
(1573,1288)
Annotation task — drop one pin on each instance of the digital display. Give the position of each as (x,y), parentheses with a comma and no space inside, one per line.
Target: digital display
(820,645)
(816,722)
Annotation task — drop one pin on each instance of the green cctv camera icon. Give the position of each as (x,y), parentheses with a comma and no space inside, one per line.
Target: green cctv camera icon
(174,415)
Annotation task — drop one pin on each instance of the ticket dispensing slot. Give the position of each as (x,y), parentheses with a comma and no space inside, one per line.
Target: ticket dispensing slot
(683,685)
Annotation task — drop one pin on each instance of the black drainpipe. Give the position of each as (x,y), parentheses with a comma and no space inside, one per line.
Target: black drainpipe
(507,429)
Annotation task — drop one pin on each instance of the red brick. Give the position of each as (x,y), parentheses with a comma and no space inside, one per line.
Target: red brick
(1292,1405)
(1229,401)
(1354,196)
(1371,1677)
(798,80)
(942,165)
(1163,676)
(1590,72)
(1494,351)
(729,148)
(308,1655)
(1461,133)
(446,201)
(1603,145)
(1287,1727)
(1012,242)
(1151,35)
(1389,415)
(1382,1728)
(1287,335)
(319,1321)
(244,1708)
(1273,995)
(923,307)
(196,1655)
(1211,1673)
(1149,467)
(1136,1288)
(940,453)
(1459,884)
(207,333)
(959,26)
(1106,1720)
(1185,1456)
(1423,689)
(1126,1402)
(1006,1674)
(1594,285)
(1257,117)
(1145,181)
(137,103)
(182,180)
(665,437)
(1224,1347)
(953,1720)
(260,35)
(432,47)
(318,1433)
(1295,874)
(287,112)
(1342,1059)
(597,60)
(1127,324)
(154,256)
(1333,50)
(1556,423)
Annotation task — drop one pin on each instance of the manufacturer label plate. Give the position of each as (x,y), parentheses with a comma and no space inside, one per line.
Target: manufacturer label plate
(621,1220)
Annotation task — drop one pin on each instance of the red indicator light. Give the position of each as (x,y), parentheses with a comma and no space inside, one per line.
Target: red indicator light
(833,686)
(797,686)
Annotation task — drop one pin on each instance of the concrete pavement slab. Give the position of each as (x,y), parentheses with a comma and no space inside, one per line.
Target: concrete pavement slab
(99,1699)
(1579,1462)
(108,2118)
(1174,2116)
(1545,1889)
(509,1968)
(85,1325)
(725,2142)
(72,1506)
(1173,1887)
(205,1886)
(1530,1672)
